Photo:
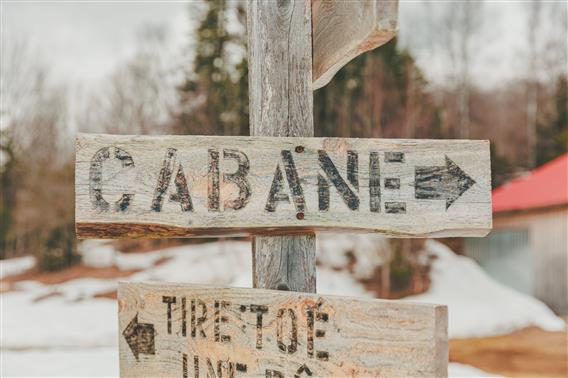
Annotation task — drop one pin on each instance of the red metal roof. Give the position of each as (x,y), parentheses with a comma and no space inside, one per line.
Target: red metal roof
(545,186)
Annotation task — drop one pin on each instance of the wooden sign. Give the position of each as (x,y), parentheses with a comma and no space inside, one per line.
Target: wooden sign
(181,186)
(199,331)
(342,30)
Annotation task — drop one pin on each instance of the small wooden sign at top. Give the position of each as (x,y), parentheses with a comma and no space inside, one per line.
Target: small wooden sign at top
(182,186)
(342,30)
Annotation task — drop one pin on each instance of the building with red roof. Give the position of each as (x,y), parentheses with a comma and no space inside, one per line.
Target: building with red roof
(542,188)
(528,247)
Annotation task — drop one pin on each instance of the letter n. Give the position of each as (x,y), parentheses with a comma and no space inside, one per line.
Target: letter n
(348,196)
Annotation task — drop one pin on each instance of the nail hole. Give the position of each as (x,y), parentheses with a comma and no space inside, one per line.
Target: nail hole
(299,149)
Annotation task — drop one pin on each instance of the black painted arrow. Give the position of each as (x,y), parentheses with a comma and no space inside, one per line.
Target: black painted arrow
(447,182)
(140,337)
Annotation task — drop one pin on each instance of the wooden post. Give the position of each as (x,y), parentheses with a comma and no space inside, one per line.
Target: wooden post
(146,191)
(281,104)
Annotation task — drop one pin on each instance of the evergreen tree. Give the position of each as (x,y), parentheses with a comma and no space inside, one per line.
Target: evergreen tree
(381,93)
(501,168)
(553,136)
(214,97)
(8,195)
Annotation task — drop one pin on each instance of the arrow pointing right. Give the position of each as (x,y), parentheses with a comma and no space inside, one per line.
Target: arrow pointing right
(140,337)
(441,182)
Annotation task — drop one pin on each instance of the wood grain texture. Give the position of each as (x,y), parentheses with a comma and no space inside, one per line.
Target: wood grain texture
(444,186)
(342,30)
(280,61)
(265,333)
(286,262)
(281,104)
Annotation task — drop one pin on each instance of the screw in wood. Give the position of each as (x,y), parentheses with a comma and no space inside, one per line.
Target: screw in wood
(299,149)
(300,216)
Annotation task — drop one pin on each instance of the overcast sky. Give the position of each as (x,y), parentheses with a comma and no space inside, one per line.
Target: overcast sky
(84,41)
(87,40)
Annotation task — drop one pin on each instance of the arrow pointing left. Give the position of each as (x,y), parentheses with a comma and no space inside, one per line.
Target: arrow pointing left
(140,337)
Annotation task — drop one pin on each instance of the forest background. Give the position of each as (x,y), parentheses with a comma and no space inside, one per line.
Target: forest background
(202,88)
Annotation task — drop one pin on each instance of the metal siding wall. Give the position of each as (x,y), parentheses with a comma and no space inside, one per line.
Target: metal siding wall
(506,256)
(548,240)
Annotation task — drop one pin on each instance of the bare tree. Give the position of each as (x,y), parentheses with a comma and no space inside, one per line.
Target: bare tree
(37,172)
(456,25)
(534,12)
(547,61)
(139,96)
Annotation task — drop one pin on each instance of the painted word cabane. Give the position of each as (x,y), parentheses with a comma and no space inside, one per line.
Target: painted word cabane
(197,185)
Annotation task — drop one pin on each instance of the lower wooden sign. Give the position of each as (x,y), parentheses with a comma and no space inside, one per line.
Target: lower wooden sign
(200,331)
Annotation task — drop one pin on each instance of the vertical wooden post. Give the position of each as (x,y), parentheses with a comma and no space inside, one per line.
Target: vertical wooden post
(281,104)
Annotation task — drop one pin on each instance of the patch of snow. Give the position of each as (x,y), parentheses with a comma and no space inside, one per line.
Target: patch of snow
(17,265)
(84,288)
(66,332)
(369,252)
(141,261)
(478,306)
(56,322)
(332,250)
(461,370)
(332,282)
(226,263)
(68,362)
(97,253)
(73,290)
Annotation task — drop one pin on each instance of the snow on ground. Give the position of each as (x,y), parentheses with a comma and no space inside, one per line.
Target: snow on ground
(225,263)
(67,332)
(368,252)
(461,370)
(56,322)
(11,267)
(332,282)
(478,305)
(67,362)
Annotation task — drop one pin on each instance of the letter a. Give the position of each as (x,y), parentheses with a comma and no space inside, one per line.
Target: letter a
(182,193)
(275,195)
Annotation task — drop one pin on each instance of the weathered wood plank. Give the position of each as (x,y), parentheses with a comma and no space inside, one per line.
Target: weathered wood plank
(281,104)
(128,186)
(286,262)
(342,30)
(175,330)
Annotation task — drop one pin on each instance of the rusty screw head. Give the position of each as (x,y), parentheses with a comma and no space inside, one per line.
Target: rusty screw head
(299,149)
(300,216)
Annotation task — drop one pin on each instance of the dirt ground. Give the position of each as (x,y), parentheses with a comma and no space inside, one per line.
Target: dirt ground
(74,272)
(530,352)
(71,273)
